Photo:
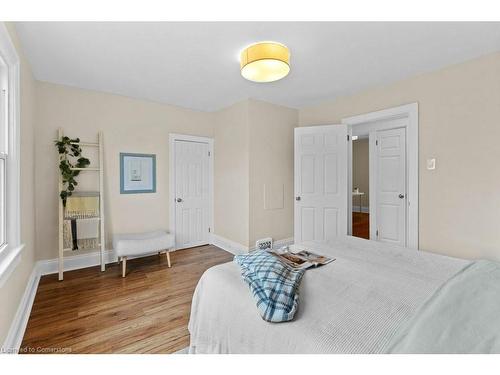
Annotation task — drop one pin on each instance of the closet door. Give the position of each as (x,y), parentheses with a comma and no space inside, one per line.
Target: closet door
(191,194)
(320,183)
(390,186)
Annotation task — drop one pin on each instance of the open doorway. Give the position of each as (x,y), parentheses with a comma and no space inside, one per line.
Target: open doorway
(361,186)
(379,177)
(390,198)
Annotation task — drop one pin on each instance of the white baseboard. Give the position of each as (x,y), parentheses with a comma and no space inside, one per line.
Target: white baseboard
(363,209)
(228,245)
(15,335)
(75,262)
(79,261)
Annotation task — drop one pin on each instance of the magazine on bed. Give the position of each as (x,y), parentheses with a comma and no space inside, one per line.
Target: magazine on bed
(300,258)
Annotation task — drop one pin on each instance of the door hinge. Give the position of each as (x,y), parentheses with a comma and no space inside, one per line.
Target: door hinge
(208,229)
(376,233)
(376,142)
(208,153)
(348,137)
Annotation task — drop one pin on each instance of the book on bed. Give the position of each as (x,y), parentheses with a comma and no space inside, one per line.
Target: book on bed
(301,259)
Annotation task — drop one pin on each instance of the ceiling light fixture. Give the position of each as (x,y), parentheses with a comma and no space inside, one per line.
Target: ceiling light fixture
(265,62)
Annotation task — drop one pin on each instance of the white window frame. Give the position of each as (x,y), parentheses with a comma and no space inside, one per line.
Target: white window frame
(10,254)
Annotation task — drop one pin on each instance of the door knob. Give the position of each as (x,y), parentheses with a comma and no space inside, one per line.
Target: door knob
(401,196)
(297,198)
(179,200)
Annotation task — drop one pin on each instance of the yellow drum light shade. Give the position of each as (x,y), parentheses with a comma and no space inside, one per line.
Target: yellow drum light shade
(265,62)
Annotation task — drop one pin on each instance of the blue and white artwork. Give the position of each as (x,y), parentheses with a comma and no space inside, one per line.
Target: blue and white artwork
(137,173)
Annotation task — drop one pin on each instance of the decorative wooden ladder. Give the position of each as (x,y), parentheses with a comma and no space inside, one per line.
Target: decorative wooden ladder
(100,169)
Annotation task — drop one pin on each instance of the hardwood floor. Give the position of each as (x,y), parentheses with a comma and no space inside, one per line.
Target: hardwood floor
(361,225)
(94,312)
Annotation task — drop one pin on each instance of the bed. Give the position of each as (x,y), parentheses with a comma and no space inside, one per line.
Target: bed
(357,304)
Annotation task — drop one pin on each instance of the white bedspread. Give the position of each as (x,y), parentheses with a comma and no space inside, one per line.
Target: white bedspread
(353,305)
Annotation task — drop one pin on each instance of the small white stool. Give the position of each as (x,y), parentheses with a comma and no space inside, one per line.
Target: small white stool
(142,244)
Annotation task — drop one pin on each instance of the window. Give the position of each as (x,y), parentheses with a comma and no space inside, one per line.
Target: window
(4,136)
(10,225)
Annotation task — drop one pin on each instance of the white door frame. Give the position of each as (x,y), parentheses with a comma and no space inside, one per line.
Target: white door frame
(368,121)
(171,174)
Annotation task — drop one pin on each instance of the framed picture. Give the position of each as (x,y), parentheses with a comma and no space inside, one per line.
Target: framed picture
(137,173)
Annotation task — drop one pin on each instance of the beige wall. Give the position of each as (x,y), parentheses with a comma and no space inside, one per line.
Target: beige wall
(231,173)
(271,170)
(361,171)
(253,152)
(129,125)
(459,125)
(13,289)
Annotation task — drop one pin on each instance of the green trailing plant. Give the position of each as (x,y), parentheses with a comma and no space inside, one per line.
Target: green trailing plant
(69,149)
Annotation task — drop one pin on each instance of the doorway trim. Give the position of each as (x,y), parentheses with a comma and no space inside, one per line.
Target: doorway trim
(409,111)
(171,176)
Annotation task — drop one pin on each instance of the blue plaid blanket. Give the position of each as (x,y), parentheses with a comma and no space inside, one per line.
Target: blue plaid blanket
(273,284)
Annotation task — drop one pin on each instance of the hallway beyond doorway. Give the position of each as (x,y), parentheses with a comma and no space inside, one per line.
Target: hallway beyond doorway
(361,225)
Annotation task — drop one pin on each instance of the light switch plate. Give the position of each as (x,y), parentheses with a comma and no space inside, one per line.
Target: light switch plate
(431,164)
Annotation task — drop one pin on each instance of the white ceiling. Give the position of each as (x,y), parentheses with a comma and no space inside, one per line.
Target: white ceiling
(195,65)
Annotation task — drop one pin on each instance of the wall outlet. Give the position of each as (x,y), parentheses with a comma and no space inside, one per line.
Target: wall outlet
(431,164)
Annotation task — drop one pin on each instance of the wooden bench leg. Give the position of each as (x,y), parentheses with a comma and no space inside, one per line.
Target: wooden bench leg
(124,266)
(168,256)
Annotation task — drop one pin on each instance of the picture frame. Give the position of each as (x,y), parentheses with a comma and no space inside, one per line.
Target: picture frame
(137,173)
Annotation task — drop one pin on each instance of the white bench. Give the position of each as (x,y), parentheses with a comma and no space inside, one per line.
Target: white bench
(142,244)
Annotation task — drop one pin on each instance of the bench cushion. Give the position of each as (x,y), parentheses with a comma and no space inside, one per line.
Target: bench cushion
(142,243)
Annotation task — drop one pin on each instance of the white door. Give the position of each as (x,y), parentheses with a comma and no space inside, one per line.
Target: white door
(192,193)
(390,186)
(320,182)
